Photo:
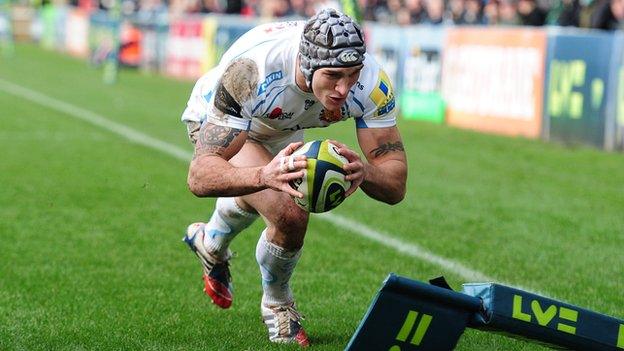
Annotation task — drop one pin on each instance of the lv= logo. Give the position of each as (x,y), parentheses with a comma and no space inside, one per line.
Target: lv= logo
(419,330)
(545,316)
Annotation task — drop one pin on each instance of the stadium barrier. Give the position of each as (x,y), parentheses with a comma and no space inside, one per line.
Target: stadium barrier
(6,32)
(77,44)
(221,32)
(185,48)
(493,79)
(578,80)
(411,315)
(615,92)
(154,29)
(52,21)
(21,20)
(412,59)
(549,83)
(421,95)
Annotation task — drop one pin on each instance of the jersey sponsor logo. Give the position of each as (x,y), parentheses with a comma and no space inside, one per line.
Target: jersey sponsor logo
(308,104)
(383,95)
(349,56)
(278,114)
(272,77)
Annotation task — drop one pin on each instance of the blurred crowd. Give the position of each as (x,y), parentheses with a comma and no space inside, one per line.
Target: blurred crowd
(601,14)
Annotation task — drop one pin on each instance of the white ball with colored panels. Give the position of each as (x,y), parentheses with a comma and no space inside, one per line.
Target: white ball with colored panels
(323,184)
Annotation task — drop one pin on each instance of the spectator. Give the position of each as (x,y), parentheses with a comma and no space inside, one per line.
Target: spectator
(381,13)
(209,6)
(530,14)
(415,10)
(456,11)
(177,8)
(435,12)
(491,12)
(609,15)
(327,4)
(403,17)
(602,14)
(586,13)
(570,13)
(368,9)
(473,14)
(251,8)
(299,8)
(152,11)
(564,13)
(508,13)
(275,8)
(395,7)
(374,10)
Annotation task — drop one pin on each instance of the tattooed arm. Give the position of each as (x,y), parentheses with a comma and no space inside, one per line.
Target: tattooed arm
(210,173)
(383,177)
(385,174)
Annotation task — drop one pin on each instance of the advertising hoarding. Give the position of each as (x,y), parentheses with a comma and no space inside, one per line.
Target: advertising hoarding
(493,79)
(577,81)
(421,95)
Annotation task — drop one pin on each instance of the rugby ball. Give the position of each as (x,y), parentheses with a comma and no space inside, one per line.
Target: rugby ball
(323,184)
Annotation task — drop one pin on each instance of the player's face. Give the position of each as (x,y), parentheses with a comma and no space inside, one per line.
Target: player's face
(331,85)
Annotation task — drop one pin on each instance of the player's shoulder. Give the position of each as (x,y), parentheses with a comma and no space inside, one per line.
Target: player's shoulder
(204,86)
(375,89)
(265,42)
(268,48)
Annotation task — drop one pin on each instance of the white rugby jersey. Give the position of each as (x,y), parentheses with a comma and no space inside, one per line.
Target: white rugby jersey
(278,107)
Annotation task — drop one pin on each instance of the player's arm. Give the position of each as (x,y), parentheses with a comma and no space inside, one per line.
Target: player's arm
(384,176)
(223,135)
(210,173)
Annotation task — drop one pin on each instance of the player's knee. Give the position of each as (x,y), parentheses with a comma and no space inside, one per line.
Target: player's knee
(290,228)
(293,220)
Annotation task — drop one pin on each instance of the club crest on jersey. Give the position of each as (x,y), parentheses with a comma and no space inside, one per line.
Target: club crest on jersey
(383,95)
(278,114)
(333,116)
(272,77)
(348,56)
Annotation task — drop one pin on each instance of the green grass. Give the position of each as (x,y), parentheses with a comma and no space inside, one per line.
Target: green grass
(90,225)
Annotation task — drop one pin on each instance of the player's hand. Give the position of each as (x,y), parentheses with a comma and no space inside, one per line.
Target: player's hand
(284,168)
(355,168)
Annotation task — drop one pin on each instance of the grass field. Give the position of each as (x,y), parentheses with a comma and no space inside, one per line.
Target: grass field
(90,224)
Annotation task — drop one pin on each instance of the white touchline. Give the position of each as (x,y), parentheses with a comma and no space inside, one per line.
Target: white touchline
(404,247)
(95,119)
(184,155)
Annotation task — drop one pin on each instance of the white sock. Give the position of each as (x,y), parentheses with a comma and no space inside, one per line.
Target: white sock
(276,266)
(227,220)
